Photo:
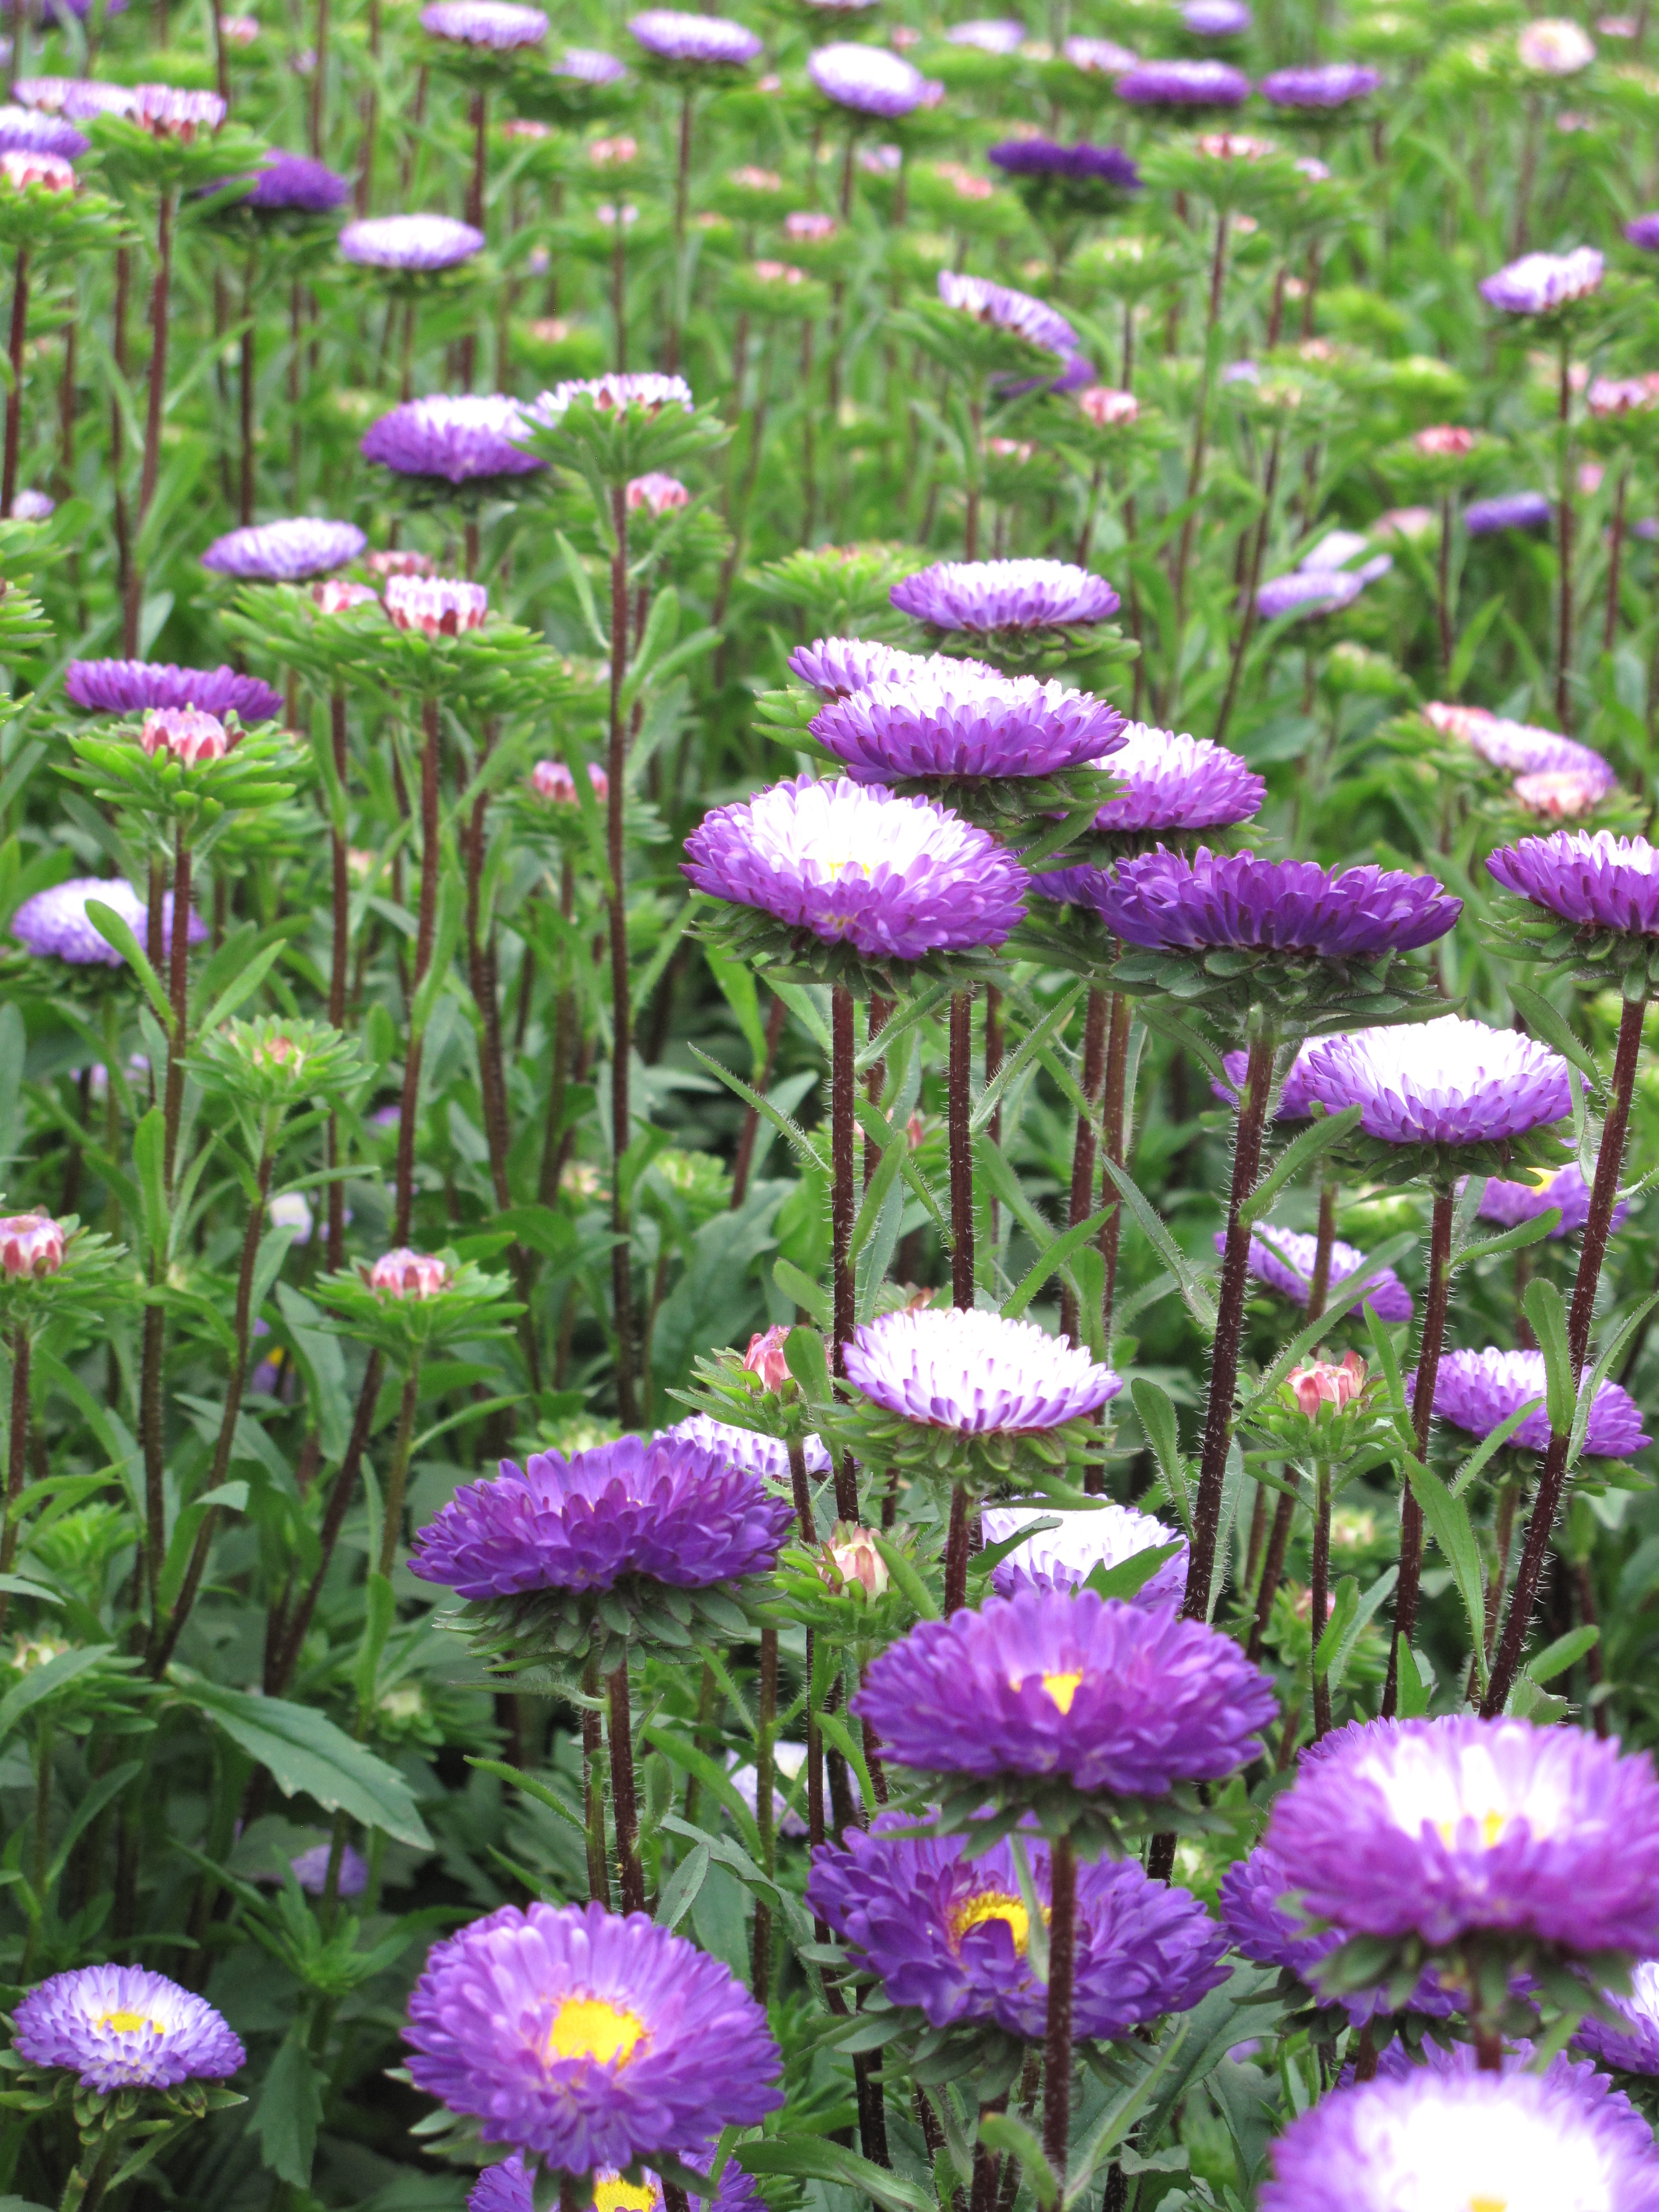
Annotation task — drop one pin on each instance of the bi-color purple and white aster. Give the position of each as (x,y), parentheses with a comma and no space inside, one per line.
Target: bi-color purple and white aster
(1320,88)
(1173,781)
(1518,748)
(985,596)
(285,552)
(747,1448)
(123,2027)
(989,34)
(1444,1082)
(1633,2049)
(1544,283)
(1282,1259)
(1216,19)
(1046,157)
(589,65)
(1588,877)
(584,2037)
(1447,1828)
(1060,1559)
(974,1372)
(458,436)
(950,1935)
(134,687)
(946,723)
(293,184)
(896,878)
(615,393)
(867,79)
(834,667)
(53,924)
(659,1509)
(32,130)
(1184,84)
(671,34)
(411,242)
(1122,1699)
(1477,1391)
(497,24)
(1509,1204)
(1294,1104)
(1005,309)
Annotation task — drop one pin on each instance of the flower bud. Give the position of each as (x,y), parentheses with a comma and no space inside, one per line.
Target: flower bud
(1325,1384)
(166,111)
(807,224)
(764,1357)
(656,492)
(406,1275)
(1444,439)
(1235,146)
(552,779)
(30,1244)
(400,563)
(1108,410)
(613,153)
(49,171)
(337,595)
(1558,794)
(850,1556)
(1554,46)
(756,180)
(184,734)
(437,606)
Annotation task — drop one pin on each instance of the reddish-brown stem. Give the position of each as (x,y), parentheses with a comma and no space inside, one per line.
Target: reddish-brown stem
(285,1660)
(623,1800)
(1564,528)
(956,1553)
(118,354)
(247,384)
(20,317)
(1117,1069)
(17,1444)
(1084,1142)
(622,1032)
(179,1001)
(777,1014)
(1615,555)
(157,403)
(961,1145)
(1057,2037)
(1272,1567)
(425,929)
(842,1093)
(1319,1590)
(1428,1369)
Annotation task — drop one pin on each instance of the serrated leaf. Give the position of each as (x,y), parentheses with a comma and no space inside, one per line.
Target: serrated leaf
(1319,1138)
(303,1750)
(1548,1316)
(1448,1519)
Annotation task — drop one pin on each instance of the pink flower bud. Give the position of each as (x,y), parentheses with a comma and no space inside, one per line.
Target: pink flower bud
(166,111)
(1452,720)
(806,224)
(525,130)
(1235,146)
(184,734)
(1558,794)
(657,493)
(337,595)
(778,272)
(1444,438)
(1324,1384)
(915,1130)
(49,171)
(406,1275)
(30,1244)
(608,217)
(552,779)
(276,1051)
(613,153)
(751,179)
(764,1357)
(437,606)
(1622,395)
(850,1556)
(399,563)
(1108,410)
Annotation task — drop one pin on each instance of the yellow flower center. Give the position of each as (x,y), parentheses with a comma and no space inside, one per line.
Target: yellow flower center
(588,2028)
(1489,2204)
(616,2195)
(1492,1826)
(987,1906)
(834,867)
(125,2023)
(1062,1688)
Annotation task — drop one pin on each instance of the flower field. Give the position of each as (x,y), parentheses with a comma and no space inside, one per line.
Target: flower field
(828,1107)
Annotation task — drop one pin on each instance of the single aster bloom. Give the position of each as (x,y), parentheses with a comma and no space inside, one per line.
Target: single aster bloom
(1216,19)
(589,65)
(1176,781)
(1118,1698)
(456,436)
(1444,1082)
(31,1247)
(1098,57)
(167,111)
(48,172)
(1509,1204)
(746,1448)
(1517,748)
(584,2037)
(668,34)
(1258,1909)
(1514,510)
(410,241)
(1311,592)
(507,2188)
(1447,1828)
(184,734)
(1318,89)
(834,667)
(1554,46)
(123,2027)
(1542,283)
(615,393)
(52,925)
(311,1871)
(76,97)
(951,1934)
(29,131)
(437,606)
(988,596)
(1478,1390)
(1182,84)
(944,724)
(660,1509)
(867,79)
(896,879)
(1060,1559)
(974,1372)
(1044,157)
(1480,2140)
(1005,309)
(285,552)
(1282,1259)
(496,24)
(1633,2049)
(292,184)
(132,687)
(552,778)
(989,34)
(1590,878)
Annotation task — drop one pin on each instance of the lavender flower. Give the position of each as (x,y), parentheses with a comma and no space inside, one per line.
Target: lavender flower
(77,97)
(1513,510)
(668,34)
(867,79)
(584,2036)
(1258,1910)
(31,506)
(663,1509)
(411,242)
(285,552)
(1509,1204)
(896,879)
(984,597)
(1543,283)
(989,34)
(1642,232)
(949,1935)
(589,65)
(764,1456)
(1444,1082)
(1060,1559)
(1634,2050)
(1216,19)
(1283,1260)
(291,184)
(1318,89)
(311,1871)
(1478,1390)
(507,2188)
(1518,748)
(1176,781)
(834,667)
(974,1372)
(167,110)
(1005,309)
(949,725)
(496,24)
(1445,1828)
(132,687)
(457,436)
(1294,1104)
(27,130)
(53,924)
(123,2027)
(1187,85)
(1040,157)
(1118,1698)
(1590,878)
(1098,57)
(1316,591)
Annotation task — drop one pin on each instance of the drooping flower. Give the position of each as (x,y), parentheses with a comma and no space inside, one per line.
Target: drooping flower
(1005,309)
(1176,781)
(130,687)
(1445,1082)
(31,1244)
(53,924)
(1510,1204)
(1478,1390)
(670,35)
(456,437)
(1513,510)
(942,724)
(437,606)
(896,879)
(1633,2049)
(974,1372)
(420,242)
(124,2027)
(1117,1698)
(834,667)
(584,2037)
(406,1275)
(285,552)
(1543,283)
(32,130)
(949,1935)
(1184,84)
(1446,1828)
(867,79)
(1060,1559)
(1590,878)
(1319,89)
(185,734)
(984,597)
(497,24)
(1283,1260)
(1046,157)
(1554,46)
(292,184)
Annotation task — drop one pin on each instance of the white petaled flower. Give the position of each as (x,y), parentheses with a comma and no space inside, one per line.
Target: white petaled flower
(1062,1558)
(1555,47)
(437,606)
(406,1275)
(975,1373)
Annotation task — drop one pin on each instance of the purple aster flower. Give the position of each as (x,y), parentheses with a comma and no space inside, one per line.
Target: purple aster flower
(132,687)
(1476,2140)
(1444,1082)
(27,130)
(494,23)
(986,596)
(1446,1828)
(1183,85)
(989,34)
(668,34)
(292,184)
(948,1935)
(1099,57)
(1332,84)
(1634,2050)
(1040,157)
(1512,510)
(52,925)
(285,552)
(1518,748)
(311,1871)
(1163,901)
(1294,1103)
(1477,1391)
(747,1448)
(834,667)
(867,79)
(1316,591)
(589,65)
(1258,1909)
(31,506)
(951,725)
(456,435)
(124,2027)
(1590,878)
(584,2037)
(1509,1204)
(75,97)
(1282,1259)
(1122,1699)
(1642,232)
(974,1372)
(1176,781)
(1216,19)
(661,1509)
(507,2188)
(1542,283)
(1060,1559)
(896,879)
(410,241)
(1004,309)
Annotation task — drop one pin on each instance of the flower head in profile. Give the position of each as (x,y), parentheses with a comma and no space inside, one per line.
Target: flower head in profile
(615,393)
(1477,1391)
(24,171)
(1552,46)
(1183,85)
(748,1448)
(285,552)
(834,667)
(292,184)
(1518,748)
(454,436)
(1098,57)
(1061,1558)
(184,734)
(1041,159)
(656,495)
(989,34)
(867,79)
(53,924)
(124,2027)
(421,243)
(31,1246)
(166,111)
(583,2037)
(1544,283)
(338,595)
(498,25)
(1326,1382)
(1176,781)
(985,596)
(1283,1260)
(437,606)
(1109,408)
(77,97)
(1591,878)
(406,1275)
(1514,510)
(133,687)
(1565,1188)
(589,65)
(1004,309)
(670,35)
(1258,1910)
(1559,794)
(1444,1082)
(944,724)
(974,1372)
(1320,88)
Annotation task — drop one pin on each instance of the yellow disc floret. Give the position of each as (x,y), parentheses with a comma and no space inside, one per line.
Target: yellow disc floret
(589,2028)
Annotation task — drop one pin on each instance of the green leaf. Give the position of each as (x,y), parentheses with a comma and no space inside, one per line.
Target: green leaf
(875,1196)
(1001,2131)
(736,979)
(804,1357)
(243,986)
(303,1750)
(784,1124)
(1315,1140)
(819,2158)
(1342,1612)
(1549,1317)
(1512,1240)
(1612,1353)
(801,1291)
(680,1895)
(289,2111)
(1344,1297)
(709,1772)
(1490,1444)
(1120,2117)
(1129,1576)
(114,931)
(149,1157)
(1363,1613)
(532,1788)
(1448,1521)
(576,570)
(1015,1066)
(1414,1692)
(904,1572)
(1056,1256)
(43,1682)
(1551,1028)
(1193,1288)
(1566,1651)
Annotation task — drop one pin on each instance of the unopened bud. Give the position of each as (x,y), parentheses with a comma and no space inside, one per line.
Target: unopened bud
(406,1275)
(764,1357)
(30,1244)
(850,1556)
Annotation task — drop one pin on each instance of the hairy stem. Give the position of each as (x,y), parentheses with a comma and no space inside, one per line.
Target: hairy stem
(1428,1369)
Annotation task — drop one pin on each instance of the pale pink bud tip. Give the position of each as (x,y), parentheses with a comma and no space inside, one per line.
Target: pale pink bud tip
(406,1275)
(30,1244)
(765,1359)
(184,734)
(850,1556)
